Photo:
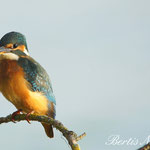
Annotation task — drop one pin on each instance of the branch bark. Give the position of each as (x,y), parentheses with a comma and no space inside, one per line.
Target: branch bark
(71,136)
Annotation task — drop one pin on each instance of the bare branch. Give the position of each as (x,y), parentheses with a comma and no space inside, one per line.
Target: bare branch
(71,136)
(145,147)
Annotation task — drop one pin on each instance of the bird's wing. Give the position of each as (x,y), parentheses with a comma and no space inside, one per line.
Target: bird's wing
(36,75)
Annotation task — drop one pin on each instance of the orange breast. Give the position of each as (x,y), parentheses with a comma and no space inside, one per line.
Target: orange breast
(12,83)
(17,90)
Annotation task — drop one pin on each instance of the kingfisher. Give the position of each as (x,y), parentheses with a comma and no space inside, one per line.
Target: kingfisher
(23,81)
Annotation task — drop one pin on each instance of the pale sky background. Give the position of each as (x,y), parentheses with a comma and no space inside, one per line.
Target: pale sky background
(97,54)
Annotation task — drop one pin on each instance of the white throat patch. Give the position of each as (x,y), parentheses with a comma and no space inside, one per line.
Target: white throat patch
(9,56)
(26,52)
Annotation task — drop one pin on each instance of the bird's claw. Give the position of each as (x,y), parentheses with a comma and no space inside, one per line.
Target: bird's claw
(14,114)
(27,115)
(18,112)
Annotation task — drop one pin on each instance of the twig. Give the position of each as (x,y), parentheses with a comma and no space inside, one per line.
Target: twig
(71,137)
(145,147)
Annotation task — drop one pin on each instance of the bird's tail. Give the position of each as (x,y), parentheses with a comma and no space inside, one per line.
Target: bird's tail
(48,129)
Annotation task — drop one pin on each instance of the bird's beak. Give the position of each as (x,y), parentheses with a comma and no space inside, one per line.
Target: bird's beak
(4,50)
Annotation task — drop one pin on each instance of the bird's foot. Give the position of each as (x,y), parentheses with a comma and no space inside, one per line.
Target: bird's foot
(27,116)
(14,114)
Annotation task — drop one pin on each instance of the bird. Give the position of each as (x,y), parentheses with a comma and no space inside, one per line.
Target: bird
(23,81)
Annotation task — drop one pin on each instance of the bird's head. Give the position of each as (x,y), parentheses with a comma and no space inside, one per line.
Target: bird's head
(14,41)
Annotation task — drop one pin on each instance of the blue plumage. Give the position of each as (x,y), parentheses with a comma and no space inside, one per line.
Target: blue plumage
(36,75)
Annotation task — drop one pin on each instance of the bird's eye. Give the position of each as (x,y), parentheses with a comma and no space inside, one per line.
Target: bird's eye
(15,45)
